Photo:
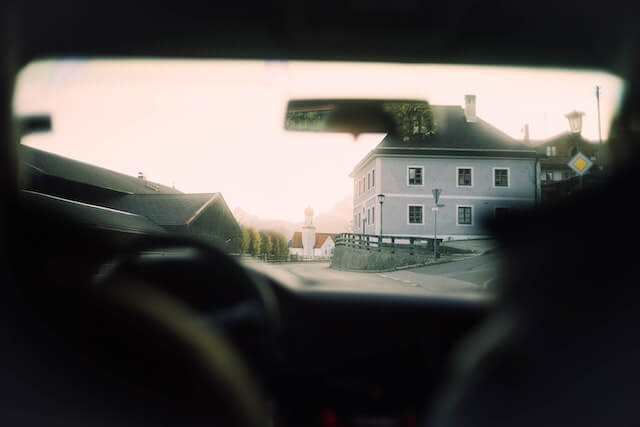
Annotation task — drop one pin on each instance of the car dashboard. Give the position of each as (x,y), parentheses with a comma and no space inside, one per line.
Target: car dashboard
(355,357)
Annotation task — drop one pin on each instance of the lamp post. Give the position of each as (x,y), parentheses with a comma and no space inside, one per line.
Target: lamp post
(381,201)
(436,198)
(575,125)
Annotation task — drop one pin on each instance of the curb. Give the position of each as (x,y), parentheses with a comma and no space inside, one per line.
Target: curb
(402,267)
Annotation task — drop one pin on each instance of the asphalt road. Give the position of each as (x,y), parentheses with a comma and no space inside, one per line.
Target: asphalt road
(471,274)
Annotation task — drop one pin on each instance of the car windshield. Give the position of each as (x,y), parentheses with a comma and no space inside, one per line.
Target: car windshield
(201,147)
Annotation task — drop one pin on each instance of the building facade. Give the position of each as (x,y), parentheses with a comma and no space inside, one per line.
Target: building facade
(481,172)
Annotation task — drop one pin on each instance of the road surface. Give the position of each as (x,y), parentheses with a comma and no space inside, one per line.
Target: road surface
(471,274)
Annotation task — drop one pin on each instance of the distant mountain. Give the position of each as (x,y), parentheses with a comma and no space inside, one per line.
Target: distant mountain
(336,220)
(249,220)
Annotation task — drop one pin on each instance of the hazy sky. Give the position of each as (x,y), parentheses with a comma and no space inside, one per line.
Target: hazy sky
(207,126)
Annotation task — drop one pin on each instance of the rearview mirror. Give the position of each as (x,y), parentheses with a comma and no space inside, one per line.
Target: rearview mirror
(33,124)
(357,116)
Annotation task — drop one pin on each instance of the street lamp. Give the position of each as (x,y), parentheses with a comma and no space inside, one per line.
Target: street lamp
(575,121)
(575,125)
(381,201)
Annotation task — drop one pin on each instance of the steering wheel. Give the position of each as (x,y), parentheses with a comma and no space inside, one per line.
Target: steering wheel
(200,295)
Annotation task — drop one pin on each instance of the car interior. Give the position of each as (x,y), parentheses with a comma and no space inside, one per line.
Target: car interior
(95,334)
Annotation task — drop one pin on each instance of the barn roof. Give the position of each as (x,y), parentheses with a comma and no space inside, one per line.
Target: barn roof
(91,215)
(165,209)
(62,167)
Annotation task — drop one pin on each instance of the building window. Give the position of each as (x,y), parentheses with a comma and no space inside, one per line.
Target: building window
(414,175)
(551,151)
(465,215)
(501,212)
(368,181)
(373,214)
(373,177)
(368,216)
(415,214)
(500,177)
(464,177)
(548,175)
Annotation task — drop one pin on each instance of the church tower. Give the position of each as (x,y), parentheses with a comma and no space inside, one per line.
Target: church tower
(308,233)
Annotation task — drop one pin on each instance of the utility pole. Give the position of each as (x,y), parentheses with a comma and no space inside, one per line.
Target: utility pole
(599,129)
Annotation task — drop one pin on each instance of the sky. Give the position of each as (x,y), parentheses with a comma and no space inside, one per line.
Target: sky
(217,126)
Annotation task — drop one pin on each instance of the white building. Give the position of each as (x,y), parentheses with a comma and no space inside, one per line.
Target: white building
(309,244)
(482,174)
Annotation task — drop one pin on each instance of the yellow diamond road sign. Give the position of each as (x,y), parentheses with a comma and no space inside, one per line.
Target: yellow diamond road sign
(580,163)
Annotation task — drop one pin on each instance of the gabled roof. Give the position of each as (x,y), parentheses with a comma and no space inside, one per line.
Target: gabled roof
(62,167)
(296,240)
(563,138)
(565,144)
(322,237)
(165,209)
(453,136)
(91,215)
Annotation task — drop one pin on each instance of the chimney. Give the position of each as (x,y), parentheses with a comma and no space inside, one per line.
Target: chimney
(525,129)
(470,108)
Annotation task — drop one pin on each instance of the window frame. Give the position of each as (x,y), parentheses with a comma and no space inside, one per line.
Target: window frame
(493,181)
(458,215)
(458,185)
(422,177)
(418,205)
